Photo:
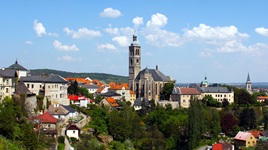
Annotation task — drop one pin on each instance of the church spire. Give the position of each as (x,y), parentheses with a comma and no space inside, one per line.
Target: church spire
(248,79)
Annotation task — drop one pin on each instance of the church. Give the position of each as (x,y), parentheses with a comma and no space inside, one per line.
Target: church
(147,83)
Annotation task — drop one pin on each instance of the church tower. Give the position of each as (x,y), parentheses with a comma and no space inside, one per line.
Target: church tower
(248,85)
(134,62)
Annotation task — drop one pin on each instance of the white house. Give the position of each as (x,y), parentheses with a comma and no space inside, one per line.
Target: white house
(72,131)
(80,101)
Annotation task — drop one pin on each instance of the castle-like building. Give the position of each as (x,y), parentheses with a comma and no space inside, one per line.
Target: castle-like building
(147,83)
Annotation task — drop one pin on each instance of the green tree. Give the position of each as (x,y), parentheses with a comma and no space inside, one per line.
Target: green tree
(99,120)
(8,125)
(73,88)
(195,123)
(120,123)
(166,91)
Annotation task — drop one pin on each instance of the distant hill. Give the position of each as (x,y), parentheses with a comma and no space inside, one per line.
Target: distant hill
(107,78)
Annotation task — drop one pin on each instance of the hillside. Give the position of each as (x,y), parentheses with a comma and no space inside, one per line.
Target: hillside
(107,78)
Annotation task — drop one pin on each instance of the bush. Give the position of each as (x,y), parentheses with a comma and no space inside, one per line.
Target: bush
(61,139)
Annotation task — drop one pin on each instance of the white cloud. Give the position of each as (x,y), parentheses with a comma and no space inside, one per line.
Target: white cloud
(68,58)
(29,42)
(123,41)
(159,37)
(110,13)
(262,31)
(137,21)
(214,35)
(39,28)
(58,45)
(82,33)
(157,20)
(127,31)
(106,47)
(113,31)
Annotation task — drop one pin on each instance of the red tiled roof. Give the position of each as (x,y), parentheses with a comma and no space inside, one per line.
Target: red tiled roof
(80,80)
(132,92)
(256,133)
(47,118)
(189,91)
(76,97)
(118,86)
(100,89)
(243,136)
(112,101)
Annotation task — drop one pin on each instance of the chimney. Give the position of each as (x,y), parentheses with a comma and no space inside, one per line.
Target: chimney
(156,67)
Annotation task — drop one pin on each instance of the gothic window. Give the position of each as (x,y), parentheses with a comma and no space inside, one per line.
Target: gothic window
(131,62)
(156,88)
(137,60)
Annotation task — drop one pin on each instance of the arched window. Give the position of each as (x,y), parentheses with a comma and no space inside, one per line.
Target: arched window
(131,62)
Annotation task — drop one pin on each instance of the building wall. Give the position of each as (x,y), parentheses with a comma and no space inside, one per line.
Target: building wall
(73,133)
(184,100)
(220,96)
(251,141)
(7,87)
(56,93)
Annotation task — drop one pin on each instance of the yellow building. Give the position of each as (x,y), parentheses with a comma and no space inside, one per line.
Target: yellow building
(245,139)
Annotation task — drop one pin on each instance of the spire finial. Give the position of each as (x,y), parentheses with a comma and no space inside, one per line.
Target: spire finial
(16,61)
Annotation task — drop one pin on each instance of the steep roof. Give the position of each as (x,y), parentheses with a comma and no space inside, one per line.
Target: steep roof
(256,133)
(44,79)
(79,80)
(17,66)
(72,126)
(248,79)
(69,108)
(47,118)
(243,136)
(110,94)
(214,89)
(156,75)
(90,86)
(112,101)
(60,110)
(189,91)
(132,92)
(8,73)
(22,89)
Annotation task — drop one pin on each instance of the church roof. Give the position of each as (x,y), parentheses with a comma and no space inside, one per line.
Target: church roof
(156,75)
(17,66)
(135,41)
(138,102)
(248,79)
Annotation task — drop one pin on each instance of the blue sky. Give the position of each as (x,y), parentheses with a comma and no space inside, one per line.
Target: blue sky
(186,39)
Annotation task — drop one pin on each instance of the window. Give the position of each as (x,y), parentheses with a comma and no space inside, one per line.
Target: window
(7,82)
(28,85)
(6,90)
(32,86)
(183,101)
(73,131)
